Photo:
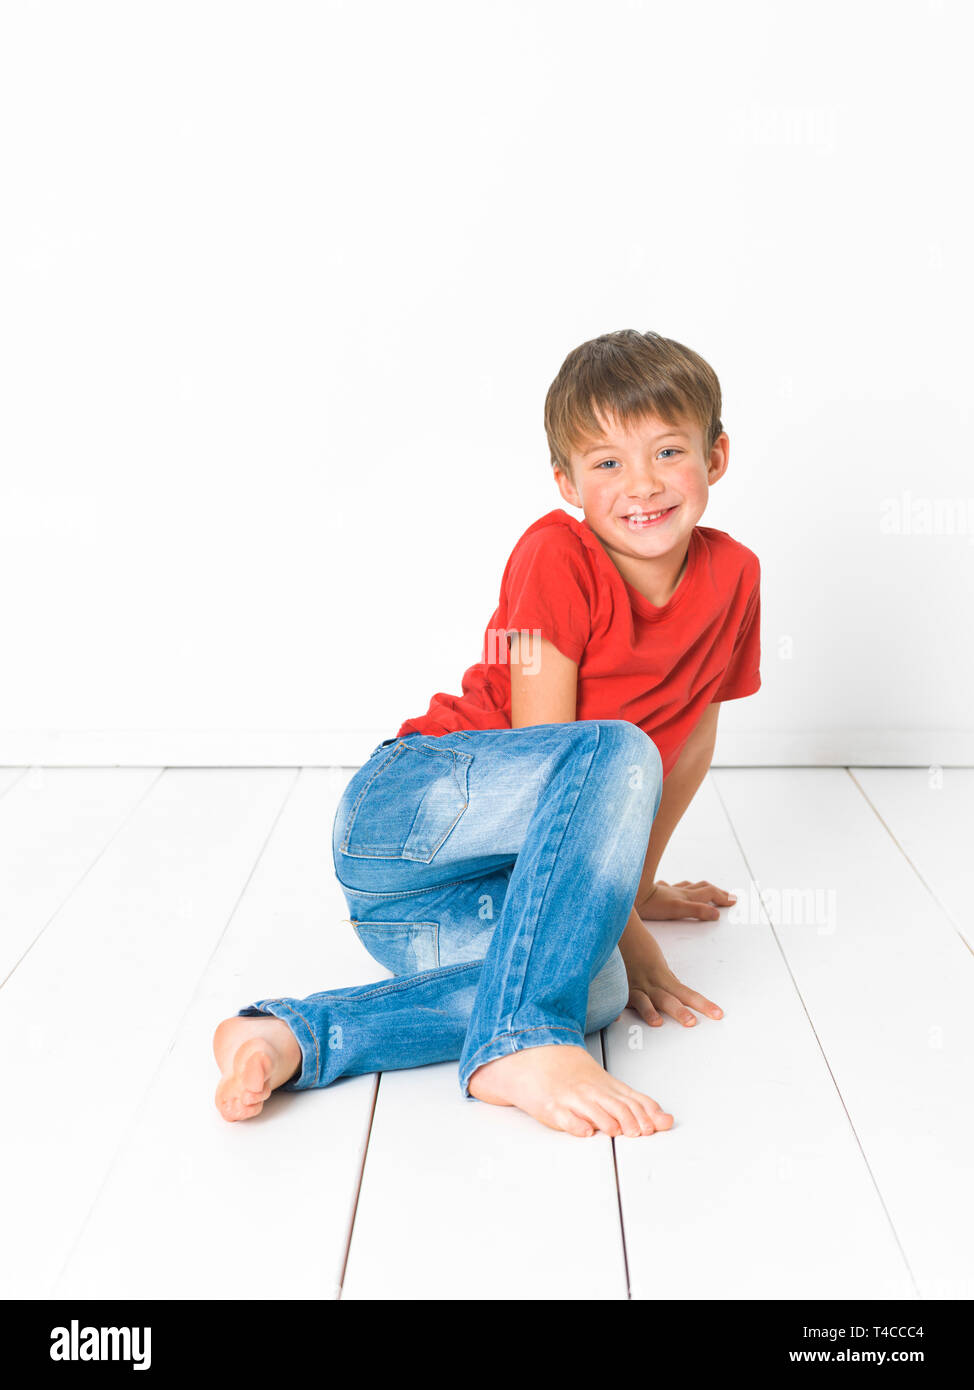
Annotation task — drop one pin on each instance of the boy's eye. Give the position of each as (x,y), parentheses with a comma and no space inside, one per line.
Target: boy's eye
(672,450)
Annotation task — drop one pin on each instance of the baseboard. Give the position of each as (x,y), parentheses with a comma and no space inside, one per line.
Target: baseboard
(351,747)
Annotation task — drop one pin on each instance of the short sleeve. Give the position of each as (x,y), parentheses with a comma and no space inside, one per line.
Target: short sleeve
(743,675)
(545,591)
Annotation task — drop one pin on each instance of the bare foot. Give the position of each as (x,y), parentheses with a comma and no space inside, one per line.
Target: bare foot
(565,1088)
(255,1055)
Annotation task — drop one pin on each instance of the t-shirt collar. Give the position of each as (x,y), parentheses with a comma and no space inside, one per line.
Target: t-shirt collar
(641,604)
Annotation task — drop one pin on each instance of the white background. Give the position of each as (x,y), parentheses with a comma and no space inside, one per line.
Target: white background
(283,287)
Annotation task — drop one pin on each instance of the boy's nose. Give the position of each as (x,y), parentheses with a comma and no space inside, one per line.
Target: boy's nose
(645,491)
(643,479)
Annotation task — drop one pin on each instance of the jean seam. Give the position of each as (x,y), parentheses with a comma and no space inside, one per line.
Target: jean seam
(541,1028)
(285,1005)
(357,922)
(473,1064)
(390,922)
(453,753)
(407,981)
(418,892)
(537,911)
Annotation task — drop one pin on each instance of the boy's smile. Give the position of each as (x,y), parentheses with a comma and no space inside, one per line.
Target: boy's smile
(642,491)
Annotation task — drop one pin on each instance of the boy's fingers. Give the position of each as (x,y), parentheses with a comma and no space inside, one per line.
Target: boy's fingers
(674,1007)
(710,891)
(699,907)
(641,1002)
(707,892)
(701,1003)
(683,1000)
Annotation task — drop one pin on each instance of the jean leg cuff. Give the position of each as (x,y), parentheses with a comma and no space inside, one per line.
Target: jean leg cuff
(308,1043)
(506,1043)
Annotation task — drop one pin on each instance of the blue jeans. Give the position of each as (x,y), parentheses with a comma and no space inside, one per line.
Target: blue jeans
(493,872)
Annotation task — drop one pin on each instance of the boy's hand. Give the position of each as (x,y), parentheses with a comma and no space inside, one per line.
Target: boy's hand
(653,988)
(668,901)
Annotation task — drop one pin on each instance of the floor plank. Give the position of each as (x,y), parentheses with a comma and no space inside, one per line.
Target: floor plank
(888,989)
(91,1010)
(263,1207)
(10,776)
(822,1143)
(760,1189)
(466,1200)
(930,814)
(54,823)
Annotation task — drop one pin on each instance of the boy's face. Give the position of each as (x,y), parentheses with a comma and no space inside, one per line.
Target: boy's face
(625,476)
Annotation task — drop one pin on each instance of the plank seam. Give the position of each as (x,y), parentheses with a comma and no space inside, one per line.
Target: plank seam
(140,1106)
(942,906)
(15,783)
(784,957)
(615,1169)
(358,1188)
(76,885)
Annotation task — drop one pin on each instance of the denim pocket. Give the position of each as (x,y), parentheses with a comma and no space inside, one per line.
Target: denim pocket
(410,803)
(402,947)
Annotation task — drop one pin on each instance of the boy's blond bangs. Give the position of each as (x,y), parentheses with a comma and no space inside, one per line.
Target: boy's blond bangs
(628,375)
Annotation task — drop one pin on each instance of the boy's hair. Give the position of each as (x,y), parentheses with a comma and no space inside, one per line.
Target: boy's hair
(628,375)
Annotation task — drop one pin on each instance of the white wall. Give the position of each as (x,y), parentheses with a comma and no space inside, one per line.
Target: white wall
(283,286)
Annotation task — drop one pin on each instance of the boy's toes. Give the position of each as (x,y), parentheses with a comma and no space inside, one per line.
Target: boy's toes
(241,1095)
(254,1073)
(575,1124)
(645,1106)
(602,1119)
(225,1105)
(240,1108)
(235,1102)
(632,1127)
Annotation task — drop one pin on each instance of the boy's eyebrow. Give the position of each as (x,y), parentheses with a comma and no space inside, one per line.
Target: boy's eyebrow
(607,444)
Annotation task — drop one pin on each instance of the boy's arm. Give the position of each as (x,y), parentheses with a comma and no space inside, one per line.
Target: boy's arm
(653,988)
(679,789)
(544,683)
(544,690)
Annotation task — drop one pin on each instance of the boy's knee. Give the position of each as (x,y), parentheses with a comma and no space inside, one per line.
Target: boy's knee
(621,736)
(632,750)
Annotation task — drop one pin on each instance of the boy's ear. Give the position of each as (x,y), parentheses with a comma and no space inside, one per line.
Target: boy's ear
(719,457)
(567,488)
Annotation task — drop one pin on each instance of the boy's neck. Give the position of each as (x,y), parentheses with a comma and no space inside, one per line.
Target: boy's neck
(656,579)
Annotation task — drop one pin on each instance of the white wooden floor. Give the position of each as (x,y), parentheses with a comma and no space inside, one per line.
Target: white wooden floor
(823,1136)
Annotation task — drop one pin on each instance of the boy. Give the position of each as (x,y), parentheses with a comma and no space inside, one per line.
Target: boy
(498,854)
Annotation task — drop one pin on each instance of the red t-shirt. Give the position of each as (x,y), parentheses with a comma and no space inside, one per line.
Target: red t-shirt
(657,667)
